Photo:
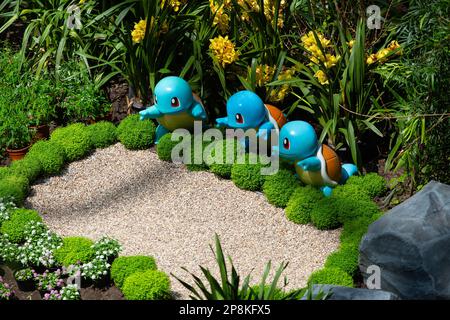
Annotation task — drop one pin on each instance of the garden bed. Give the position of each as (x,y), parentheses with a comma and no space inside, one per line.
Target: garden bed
(161,209)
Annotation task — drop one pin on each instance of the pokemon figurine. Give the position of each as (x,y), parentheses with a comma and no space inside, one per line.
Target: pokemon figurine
(175,107)
(246,110)
(316,164)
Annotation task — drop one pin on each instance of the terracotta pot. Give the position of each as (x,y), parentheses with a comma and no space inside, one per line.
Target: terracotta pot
(42,132)
(17,154)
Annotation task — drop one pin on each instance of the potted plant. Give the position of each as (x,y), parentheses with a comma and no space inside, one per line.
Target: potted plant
(40,107)
(25,279)
(14,132)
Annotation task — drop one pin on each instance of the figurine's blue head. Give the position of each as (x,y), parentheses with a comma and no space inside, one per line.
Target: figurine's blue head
(172,95)
(245,110)
(298,141)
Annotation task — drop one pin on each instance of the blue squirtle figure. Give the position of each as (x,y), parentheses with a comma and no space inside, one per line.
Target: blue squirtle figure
(246,110)
(175,107)
(316,164)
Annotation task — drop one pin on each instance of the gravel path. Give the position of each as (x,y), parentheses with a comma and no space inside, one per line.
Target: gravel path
(161,209)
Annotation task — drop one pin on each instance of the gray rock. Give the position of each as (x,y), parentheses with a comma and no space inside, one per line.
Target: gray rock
(346,293)
(411,246)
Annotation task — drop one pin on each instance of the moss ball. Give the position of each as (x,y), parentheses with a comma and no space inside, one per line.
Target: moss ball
(165,146)
(15,227)
(75,140)
(136,134)
(248,175)
(74,250)
(332,276)
(122,267)
(227,151)
(355,229)
(14,188)
(198,161)
(103,134)
(373,184)
(346,259)
(324,215)
(49,154)
(279,187)
(30,168)
(351,202)
(147,285)
(301,203)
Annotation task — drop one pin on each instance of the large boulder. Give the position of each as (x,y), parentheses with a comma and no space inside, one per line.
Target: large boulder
(346,293)
(411,246)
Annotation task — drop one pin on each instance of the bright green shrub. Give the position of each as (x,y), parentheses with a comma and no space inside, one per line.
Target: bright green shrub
(165,146)
(147,285)
(49,154)
(29,167)
(122,267)
(346,259)
(16,225)
(350,210)
(135,134)
(4,171)
(14,188)
(102,134)
(350,191)
(351,201)
(74,139)
(279,187)
(355,229)
(197,156)
(332,276)
(372,183)
(75,249)
(229,148)
(301,202)
(324,215)
(248,176)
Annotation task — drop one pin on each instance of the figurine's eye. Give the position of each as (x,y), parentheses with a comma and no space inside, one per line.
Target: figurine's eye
(286,143)
(175,102)
(239,118)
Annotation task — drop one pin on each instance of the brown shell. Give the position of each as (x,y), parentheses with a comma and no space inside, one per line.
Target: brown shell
(277,115)
(333,163)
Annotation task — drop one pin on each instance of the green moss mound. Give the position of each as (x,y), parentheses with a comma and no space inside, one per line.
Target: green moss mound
(351,202)
(75,140)
(5,171)
(332,276)
(279,187)
(197,162)
(301,203)
(122,267)
(102,134)
(147,285)
(74,250)
(324,215)
(49,154)
(248,175)
(16,225)
(30,168)
(224,149)
(135,134)
(373,184)
(354,230)
(165,146)
(14,188)
(346,259)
